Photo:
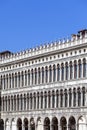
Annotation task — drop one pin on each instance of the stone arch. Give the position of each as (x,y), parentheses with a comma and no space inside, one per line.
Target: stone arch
(63,123)
(54,123)
(82,123)
(25,124)
(32,124)
(19,124)
(47,124)
(1,124)
(72,123)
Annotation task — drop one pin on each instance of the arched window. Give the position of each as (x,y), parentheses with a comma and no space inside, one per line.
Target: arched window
(21,105)
(34,100)
(54,73)
(30,101)
(24,102)
(15,79)
(62,71)
(8,103)
(26,124)
(9,80)
(45,96)
(15,103)
(75,69)
(27,101)
(57,94)
(72,123)
(66,99)
(32,76)
(25,78)
(50,73)
(63,123)
(53,99)
(28,77)
(49,101)
(38,101)
(79,97)
(46,73)
(42,75)
(18,79)
(66,67)
(74,97)
(35,76)
(41,100)
(47,124)
(19,124)
(61,98)
(84,67)
(12,80)
(22,78)
(71,71)
(83,96)
(3,82)
(70,98)
(58,72)
(79,68)
(39,76)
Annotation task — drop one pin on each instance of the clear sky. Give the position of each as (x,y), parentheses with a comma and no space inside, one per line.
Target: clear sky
(28,23)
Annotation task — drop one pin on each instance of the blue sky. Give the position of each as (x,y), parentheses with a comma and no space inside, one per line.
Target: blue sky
(28,23)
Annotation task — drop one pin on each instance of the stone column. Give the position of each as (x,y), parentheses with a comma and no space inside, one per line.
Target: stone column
(27,78)
(20,80)
(40,76)
(37,76)
(30,78)
(48,75)
(44,76)
(34,77)
(8,82)
(73,71)
(14,80)
(23,128)
(56,73)
(24,78)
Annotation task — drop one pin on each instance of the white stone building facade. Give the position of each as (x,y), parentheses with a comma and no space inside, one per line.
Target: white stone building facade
(45,88)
